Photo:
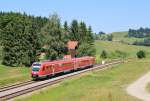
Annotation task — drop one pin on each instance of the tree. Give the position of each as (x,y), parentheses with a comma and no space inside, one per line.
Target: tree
(103,54)
(65,34)
(85,50)
(66,28)
(23,37)
(101,33)
(20,39)
(141,54)
(139,33)
(110,37)
(52,33)
(74,31)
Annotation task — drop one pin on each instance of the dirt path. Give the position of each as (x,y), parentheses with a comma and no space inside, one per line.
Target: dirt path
(138,88)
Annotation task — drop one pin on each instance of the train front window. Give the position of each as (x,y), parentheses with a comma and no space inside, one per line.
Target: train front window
(36,67)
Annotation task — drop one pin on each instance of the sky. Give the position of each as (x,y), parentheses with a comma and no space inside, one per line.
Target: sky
(103,15)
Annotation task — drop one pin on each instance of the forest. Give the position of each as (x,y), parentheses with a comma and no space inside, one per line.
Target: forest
(24,37)
(139,33)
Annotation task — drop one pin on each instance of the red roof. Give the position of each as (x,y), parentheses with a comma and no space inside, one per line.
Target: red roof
(72,44)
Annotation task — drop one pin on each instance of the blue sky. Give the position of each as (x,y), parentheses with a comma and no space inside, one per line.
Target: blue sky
(102,15)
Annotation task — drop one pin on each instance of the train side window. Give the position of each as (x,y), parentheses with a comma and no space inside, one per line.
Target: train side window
(50,67)
(47,67)
(43,69)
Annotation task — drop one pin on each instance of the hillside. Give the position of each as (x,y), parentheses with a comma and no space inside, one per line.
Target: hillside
(122,37)
(111,82)
(112,47)
(105,85)
(21,74)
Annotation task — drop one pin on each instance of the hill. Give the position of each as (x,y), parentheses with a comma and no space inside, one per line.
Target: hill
(105,85)
(115,48)
(123,37)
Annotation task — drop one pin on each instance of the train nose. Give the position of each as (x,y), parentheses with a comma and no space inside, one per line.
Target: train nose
(34,74)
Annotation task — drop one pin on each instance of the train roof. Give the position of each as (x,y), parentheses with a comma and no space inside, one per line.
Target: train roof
(64,60)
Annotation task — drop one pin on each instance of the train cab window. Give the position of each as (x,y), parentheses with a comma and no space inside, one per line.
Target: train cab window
(36,67)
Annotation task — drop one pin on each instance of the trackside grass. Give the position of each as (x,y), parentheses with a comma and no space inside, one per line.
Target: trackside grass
(148,87)
(105,85)
(10,75)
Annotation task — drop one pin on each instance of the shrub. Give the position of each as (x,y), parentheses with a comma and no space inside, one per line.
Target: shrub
(120,54)
(141,54)
(110,37)
(103,54)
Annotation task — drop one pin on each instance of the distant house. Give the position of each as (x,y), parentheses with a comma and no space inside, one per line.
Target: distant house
(72,45)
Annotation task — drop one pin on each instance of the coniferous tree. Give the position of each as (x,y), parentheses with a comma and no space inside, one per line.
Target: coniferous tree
(20,39)
(74,31)
(52,33)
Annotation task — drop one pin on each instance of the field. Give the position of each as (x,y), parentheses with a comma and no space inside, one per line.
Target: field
(122,37)
(17,74)
(112,47)
(106,85)
(0,53)
(10,75)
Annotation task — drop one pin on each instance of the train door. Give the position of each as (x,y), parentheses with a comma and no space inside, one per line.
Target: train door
(76,64)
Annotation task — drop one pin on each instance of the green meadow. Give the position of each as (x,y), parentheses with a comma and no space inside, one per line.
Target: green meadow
(105,85)
(9,75)
(17,74)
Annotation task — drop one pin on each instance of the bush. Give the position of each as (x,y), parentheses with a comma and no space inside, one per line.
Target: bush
(120,54)
(103,54)
(110,37)
(141,54)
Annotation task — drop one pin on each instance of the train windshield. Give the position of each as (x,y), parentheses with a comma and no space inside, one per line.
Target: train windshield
(36,67)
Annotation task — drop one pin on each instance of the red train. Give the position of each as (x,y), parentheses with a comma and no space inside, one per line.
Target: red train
(48,68)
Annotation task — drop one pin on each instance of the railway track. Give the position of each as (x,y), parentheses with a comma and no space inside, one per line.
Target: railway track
(26,87)
(5,88)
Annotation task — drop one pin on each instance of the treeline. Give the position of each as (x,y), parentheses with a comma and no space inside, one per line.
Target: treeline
(24,38)
(145,42)
(103,36)
(139,33)
(20,38)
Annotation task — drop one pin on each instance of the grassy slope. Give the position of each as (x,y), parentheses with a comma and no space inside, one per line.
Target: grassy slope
(111,47)
(121,36)
(13,74)
(0,54)
(106,85)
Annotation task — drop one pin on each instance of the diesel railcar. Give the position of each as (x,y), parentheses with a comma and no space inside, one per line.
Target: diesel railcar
(48,68)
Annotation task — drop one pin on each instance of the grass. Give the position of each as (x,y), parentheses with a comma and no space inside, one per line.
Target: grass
(10,75)
(0,53)
(106,85)
(148,87)
(122,37)
(112,47)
